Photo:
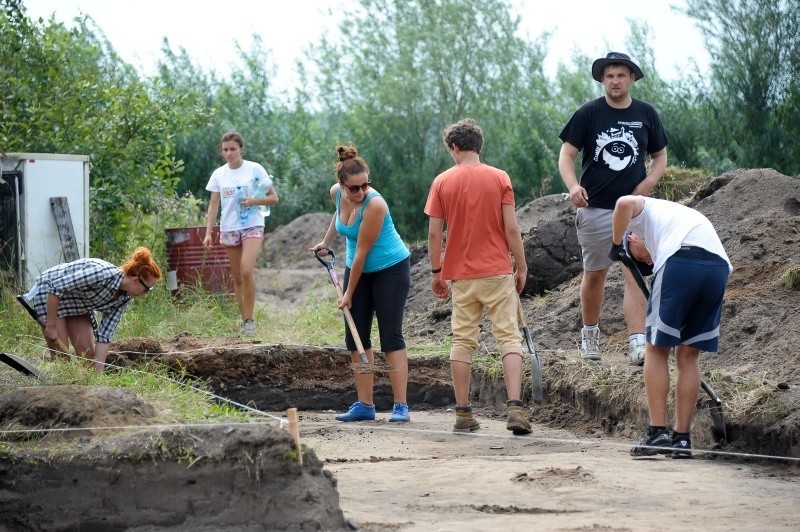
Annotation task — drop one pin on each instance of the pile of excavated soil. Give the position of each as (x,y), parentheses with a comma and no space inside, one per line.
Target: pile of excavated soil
(104,461)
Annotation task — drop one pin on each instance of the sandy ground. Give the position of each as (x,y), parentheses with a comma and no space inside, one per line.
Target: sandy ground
(421,476)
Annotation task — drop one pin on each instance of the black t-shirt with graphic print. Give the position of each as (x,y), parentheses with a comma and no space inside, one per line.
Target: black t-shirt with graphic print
(614,143)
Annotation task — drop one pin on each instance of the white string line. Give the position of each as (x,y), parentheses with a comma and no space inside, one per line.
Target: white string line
(320,426)
(175,381)
(283,421)
(139,427)
(594,442)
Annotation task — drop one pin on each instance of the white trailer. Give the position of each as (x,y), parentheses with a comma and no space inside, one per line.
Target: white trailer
(44,212)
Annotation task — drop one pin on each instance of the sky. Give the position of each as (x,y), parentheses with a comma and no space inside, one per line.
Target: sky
(209,30)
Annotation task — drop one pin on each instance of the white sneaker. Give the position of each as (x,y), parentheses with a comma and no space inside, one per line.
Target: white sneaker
(636,350)
(248,327)
(590,343)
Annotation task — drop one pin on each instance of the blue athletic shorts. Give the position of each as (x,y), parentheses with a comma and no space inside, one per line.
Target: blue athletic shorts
(686,300)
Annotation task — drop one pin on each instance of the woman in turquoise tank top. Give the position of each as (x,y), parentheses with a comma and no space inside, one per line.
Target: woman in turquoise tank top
(377,278)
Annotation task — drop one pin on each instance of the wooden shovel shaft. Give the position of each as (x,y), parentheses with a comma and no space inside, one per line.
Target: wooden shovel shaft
(352,325)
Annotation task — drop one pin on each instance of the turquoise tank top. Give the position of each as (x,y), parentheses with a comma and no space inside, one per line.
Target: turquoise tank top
(389,248)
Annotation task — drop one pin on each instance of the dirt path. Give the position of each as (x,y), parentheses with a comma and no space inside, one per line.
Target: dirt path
(423,477)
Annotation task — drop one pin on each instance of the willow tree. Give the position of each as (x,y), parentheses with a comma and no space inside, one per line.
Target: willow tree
(754,98)
(399,71)
(65,90)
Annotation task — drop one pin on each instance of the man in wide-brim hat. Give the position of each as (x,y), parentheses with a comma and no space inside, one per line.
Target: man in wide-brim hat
(614,134)
(615,58)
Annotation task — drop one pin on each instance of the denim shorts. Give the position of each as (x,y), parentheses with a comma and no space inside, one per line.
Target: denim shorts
(234,238)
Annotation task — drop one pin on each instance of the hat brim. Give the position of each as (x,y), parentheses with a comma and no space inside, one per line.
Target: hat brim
(599,65)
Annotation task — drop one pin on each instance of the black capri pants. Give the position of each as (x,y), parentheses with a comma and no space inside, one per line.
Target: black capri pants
(383,294)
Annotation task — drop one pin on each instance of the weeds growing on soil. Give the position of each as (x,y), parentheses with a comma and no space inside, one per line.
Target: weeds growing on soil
(160,316)
(791,278)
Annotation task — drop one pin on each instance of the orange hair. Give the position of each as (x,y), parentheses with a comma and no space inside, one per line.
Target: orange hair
(141,264)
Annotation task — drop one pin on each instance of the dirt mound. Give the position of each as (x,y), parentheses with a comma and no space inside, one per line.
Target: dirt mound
(126,475)
(57,407)
(287,246)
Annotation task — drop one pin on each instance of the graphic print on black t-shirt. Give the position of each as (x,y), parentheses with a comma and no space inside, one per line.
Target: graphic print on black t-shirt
(617,147)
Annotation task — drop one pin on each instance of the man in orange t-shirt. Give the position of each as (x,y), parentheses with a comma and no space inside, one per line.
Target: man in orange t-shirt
(476,202)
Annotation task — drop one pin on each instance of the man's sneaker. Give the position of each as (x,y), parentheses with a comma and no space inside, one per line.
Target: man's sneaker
(400,413)
(636,349)
(358,412)
(517,420)
(654,441)
(590,343)
(248,327)
(681,445)
(465,422)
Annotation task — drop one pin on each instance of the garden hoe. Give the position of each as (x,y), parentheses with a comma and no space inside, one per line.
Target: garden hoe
(365,366)
(536,367)
(714,404)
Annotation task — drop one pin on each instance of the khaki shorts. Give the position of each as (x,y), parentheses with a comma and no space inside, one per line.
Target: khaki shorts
(594,236)
(498,295)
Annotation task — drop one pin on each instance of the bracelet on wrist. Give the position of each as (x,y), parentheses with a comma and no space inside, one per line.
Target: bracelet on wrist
(436,270)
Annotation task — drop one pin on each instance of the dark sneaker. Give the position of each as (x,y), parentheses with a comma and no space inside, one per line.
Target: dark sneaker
(654,441)
(358,412)
(517,420)
(465,422)
(681,445)
(400,413)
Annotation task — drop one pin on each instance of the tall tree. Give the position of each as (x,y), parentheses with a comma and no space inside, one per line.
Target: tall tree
(66,91)
(406,69)
(755,68)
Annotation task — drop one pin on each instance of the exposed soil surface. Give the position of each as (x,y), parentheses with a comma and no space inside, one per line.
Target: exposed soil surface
(572,473)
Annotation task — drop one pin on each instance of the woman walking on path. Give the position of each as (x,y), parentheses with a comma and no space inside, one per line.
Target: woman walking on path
(235,187)
(377,278)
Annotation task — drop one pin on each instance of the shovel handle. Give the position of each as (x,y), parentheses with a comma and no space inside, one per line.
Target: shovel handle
(637,276)
(346,311)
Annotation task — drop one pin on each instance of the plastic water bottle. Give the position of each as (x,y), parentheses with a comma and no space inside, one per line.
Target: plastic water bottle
(260,187)
(244,212)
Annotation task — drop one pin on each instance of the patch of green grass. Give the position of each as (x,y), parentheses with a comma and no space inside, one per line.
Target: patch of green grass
(488,363)
(176,398)
(679,182)
(442,348)
(791,278)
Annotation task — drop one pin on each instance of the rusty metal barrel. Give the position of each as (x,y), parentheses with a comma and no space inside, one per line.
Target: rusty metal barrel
(192,266)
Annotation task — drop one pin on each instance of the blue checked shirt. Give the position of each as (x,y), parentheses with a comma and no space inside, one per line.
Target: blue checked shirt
(84,286)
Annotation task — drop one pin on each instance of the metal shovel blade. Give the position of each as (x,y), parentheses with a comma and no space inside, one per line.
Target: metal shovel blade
(716,411)
(21,365)
(536,367)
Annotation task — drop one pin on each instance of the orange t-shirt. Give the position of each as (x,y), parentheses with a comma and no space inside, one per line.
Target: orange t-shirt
(469,198)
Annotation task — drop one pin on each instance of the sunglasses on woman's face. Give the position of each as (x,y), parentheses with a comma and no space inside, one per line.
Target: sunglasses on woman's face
(355,188)
(146,288)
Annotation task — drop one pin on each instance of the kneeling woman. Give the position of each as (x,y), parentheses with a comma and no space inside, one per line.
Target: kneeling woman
(377,278)
(65,297)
